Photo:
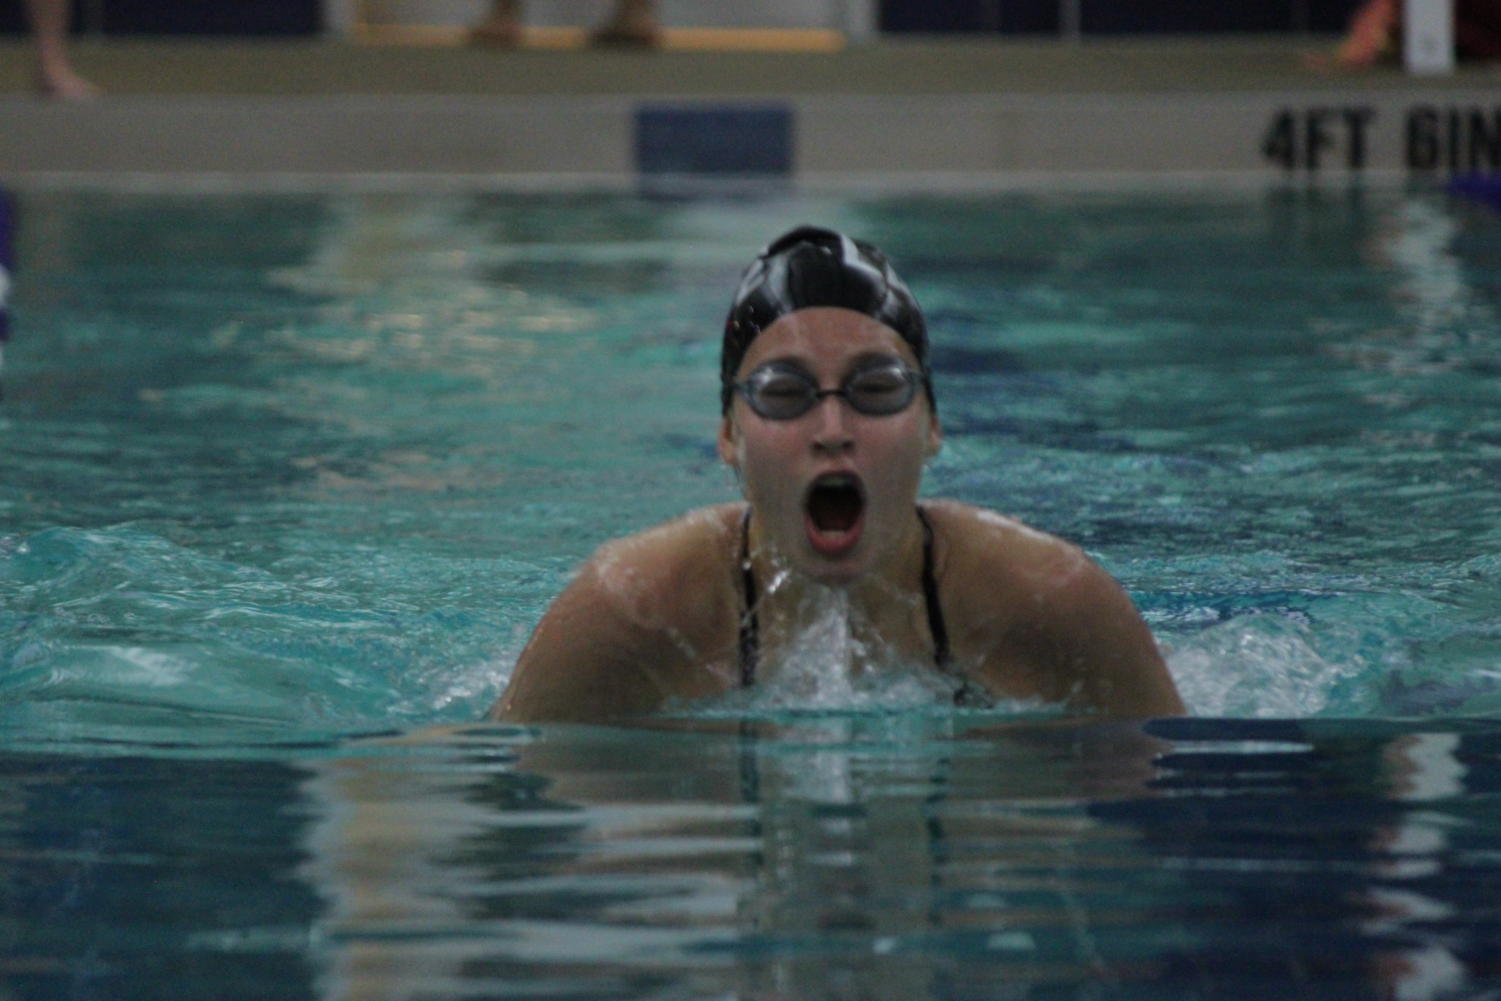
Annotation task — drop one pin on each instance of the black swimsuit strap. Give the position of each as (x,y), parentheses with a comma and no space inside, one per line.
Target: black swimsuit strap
(750,626)
(966,694)
(936,626)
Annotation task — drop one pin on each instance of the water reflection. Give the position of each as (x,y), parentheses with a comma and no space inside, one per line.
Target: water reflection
(126,877)
(1328,849)
(929,858)
(874,857)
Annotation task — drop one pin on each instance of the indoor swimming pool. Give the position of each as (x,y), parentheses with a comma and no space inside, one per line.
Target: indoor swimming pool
(287,478)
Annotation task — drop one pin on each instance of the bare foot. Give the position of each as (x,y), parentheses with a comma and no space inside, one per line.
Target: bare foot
(500,32)
(502,28)
(632,23)
(61,83)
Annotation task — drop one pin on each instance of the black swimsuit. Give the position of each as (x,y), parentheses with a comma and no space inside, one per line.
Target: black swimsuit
(750,630)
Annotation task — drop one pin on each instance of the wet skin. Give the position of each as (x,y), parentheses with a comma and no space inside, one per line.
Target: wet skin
(655,616)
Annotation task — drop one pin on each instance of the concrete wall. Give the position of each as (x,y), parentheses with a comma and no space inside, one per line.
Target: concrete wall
(995,139)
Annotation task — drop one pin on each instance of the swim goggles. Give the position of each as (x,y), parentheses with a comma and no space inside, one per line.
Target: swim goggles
(779,391)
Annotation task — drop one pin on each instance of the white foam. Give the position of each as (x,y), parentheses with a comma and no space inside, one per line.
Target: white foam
(1256,666)
(829,667)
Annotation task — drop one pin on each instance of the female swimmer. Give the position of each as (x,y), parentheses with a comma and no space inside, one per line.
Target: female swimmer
(824,359)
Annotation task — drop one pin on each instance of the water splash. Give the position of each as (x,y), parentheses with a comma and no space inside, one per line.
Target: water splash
(827,666)
(1260,666)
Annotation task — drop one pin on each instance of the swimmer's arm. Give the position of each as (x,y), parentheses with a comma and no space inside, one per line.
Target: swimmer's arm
(1082,643)
(587,661)
(1108,652)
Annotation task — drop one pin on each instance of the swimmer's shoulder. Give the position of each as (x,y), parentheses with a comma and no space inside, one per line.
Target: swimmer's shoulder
(1039,617)
(1004,582)
(982,545)
(644,620)
(676,576)
(669,555)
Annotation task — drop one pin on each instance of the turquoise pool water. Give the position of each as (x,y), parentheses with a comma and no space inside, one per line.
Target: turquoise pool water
(285,480)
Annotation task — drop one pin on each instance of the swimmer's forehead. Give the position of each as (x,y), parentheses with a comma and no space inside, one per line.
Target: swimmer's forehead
(819,335)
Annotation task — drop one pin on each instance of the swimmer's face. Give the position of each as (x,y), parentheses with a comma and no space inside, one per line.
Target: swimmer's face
(833,490)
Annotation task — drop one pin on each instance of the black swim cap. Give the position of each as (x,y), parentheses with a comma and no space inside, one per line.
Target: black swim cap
(810,266)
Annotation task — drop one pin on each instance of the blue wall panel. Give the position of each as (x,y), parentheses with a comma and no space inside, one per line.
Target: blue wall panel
(722,139)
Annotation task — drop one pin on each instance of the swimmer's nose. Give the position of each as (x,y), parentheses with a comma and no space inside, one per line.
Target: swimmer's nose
(832,433)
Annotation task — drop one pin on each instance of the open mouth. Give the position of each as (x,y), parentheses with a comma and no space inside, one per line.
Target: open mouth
(834,507)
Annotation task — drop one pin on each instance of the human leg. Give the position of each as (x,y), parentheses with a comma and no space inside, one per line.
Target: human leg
(55,75)
(1372,34)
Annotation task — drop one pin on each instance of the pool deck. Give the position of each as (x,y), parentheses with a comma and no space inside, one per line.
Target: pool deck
(991,112)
